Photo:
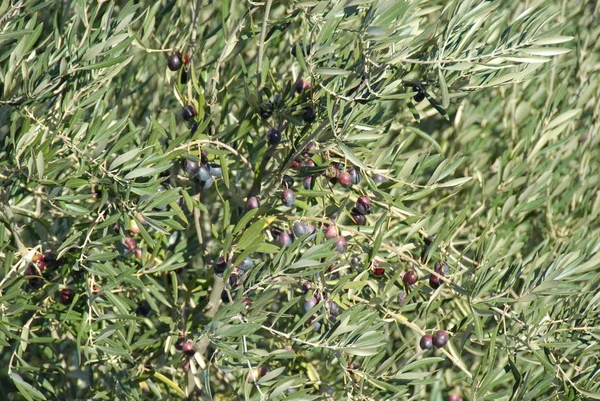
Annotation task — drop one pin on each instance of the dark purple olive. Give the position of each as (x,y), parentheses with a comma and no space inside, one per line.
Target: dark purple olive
(355,175)
(345,179)
(220,266)
(191,167)
(215,170)
(363,205)
(285,239)
(274,136)
(440,338)
(306,286)
(378,178)
(420,95)
(265,110)
(309,114)
(130,243)
(252,203)
(287,181)
(207,184)
(288,197)
(302,85)
(143,308)
(441,268)
(334,308)
(340,245)
(204,173)
(174,61)
(410,277)
(189,112)
(307,183)
(426,342)
(185,76)
(305,49)
(246,263)
(300,229)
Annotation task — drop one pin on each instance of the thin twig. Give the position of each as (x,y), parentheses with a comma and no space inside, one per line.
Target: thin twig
(261,47)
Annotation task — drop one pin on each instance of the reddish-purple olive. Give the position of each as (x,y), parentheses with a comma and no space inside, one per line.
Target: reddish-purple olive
(434,281)
(340,245)
(174,61)
(345,179)
(363,205)
(426,342)
(296,163)
(189,112)
(302,85)
(378,271)
(331,232)
(130,243)
(188,348)
(247,302)
(454,397)
(274,136)
(306,286)
(252,203)
(288,197)
(66,296)
(440,338)
(138,253)
(410,277)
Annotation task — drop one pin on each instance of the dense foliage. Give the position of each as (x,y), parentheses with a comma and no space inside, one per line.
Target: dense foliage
(358,199)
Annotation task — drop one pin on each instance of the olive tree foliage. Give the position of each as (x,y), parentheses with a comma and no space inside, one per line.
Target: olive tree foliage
(493,173)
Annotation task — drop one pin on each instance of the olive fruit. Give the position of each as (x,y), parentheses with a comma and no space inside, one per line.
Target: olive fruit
(265,110)
(378,178)
(311,303)
(174,61)
(188,348)
(363,205)
(420,95)
(302,85)
(285,239)
(66,296)
(189,112)
(410,277)
(331,232)
(308,181)
(252,203)
(454,397)
(220,266)
(355,175)
(309,114)
(345,179)
(300,229)
(440,338)
(426,342)
(191,167)
(288,197)
(274,136)
(340,245)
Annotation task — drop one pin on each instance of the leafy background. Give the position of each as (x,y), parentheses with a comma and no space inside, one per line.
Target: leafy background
(497,168)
